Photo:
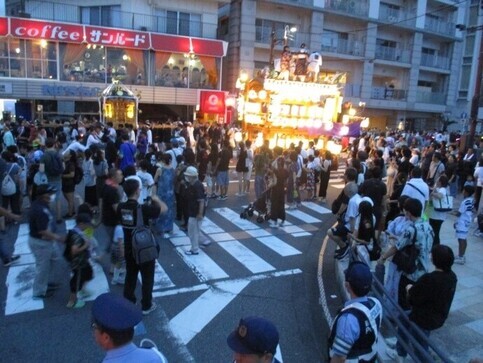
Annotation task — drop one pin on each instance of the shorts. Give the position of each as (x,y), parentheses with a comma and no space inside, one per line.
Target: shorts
(461,234)
(222,178)
(340,231)
(57,184)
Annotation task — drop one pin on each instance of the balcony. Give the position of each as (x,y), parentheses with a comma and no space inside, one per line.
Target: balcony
(351,90)
(397,17)
(440,26)
(388,93)
(437,98)
(344,46)
(392,54)
(435,61)
(263,35)
(45,10)
(352,7)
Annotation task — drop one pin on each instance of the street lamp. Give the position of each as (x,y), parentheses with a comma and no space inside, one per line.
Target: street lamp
(288,32)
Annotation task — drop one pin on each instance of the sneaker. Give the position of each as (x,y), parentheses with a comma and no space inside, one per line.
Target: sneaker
(205,243)
(213,196)
(151,309)
(11,260)
(391,342)
(223,197)
(272,224)
(342,252)
(478,233)
(460,260)
(84,293)
(191,253)
(239,194)
(281,223)
(323,200)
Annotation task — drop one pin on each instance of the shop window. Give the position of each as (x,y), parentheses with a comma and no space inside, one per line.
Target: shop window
(126,65)
(4,72)
(82,63)
(184,70)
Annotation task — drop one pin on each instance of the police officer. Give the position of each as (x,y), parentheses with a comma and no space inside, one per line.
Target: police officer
(353,336)
(255,340)
(42,242)
(113,322)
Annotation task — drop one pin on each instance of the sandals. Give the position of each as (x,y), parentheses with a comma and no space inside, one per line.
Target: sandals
(76,305)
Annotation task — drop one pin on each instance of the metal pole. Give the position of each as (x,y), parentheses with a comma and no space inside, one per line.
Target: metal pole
(476,97)
(272,46)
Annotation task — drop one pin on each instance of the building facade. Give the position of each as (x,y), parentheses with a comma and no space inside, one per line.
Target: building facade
(56,57)
(405,62)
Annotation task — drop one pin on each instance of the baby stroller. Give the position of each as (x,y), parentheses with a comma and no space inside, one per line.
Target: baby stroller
(260,206)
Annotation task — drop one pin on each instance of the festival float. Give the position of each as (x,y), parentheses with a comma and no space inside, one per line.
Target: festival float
(119,105)
(285,107)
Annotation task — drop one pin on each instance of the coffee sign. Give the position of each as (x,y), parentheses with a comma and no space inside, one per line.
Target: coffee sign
(33,29)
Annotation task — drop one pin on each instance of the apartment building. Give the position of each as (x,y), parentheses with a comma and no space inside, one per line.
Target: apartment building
(56,57)
(405,62)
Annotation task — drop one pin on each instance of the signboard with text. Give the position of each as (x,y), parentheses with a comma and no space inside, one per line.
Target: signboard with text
(111,37)
(212,102)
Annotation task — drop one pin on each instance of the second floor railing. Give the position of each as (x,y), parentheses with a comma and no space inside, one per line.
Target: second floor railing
(344,46)
(435,61)
(389,93)
(440,26)
(392,54)
(437,98)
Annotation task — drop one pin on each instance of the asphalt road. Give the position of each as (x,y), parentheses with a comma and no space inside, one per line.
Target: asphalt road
(249,269)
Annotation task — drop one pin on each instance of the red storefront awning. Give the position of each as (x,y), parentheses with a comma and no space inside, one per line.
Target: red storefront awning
(109,37)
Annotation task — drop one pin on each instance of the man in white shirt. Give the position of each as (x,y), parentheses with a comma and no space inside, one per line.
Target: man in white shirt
(416,187)
(95,136)
(149,132)
(112,132)
(75,146)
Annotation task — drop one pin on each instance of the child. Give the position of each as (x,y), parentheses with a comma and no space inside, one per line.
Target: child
(77,253)
(462,225)
(117,257)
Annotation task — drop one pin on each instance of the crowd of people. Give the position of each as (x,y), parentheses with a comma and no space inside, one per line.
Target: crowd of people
(399,189)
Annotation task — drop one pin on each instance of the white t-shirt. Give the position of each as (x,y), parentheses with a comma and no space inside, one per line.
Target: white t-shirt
(418,189)
(441,216)
(118,234)
(147,183)
(352,210)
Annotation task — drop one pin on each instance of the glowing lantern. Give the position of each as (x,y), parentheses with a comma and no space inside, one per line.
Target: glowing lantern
(344,130)
(365,123)
(329,126)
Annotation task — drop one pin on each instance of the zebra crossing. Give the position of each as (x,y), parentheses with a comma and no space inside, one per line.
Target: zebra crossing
(237,239)
(336,177)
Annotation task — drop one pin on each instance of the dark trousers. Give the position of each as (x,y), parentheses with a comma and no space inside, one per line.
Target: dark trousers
(436,225)
(80,277)
(402,296)
(324,183)
(13,201)
(147,276)
(477,197)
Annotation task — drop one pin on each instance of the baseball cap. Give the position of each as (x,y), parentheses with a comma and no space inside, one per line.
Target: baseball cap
(191,171)
(359,276)
(254,335)
(115,312)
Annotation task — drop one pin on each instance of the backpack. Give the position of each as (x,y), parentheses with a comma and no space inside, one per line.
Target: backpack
(78,174)
(69,242)
(57,167)
(406,258)
(8,185)
(144,245)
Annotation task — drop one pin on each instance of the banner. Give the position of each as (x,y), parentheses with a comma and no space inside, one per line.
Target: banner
(212,102)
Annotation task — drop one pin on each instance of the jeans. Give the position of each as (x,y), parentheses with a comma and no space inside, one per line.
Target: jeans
(259,185)
(453,188)
(47,257)
(147,277)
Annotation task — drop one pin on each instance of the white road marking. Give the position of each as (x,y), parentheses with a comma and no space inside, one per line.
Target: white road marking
(98,285)
(161,278)
(246,257)
(189,322)
(338,186)
(203,266)
(316,208)
(209,227)
(304,217)
(279,246)
(234,218)
(19,290)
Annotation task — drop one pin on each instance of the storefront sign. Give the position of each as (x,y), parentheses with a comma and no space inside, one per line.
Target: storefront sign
(69,91)
(3,26)
(212,102)
(111,37)
(33,29)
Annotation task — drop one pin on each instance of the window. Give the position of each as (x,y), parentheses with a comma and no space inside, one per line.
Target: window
(264,28)
(428,51)
(469,45)
(334,41)
(179,23)
(465,77)
(33,59)
(101,15)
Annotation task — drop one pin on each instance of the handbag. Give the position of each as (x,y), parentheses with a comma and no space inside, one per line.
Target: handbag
(445,204)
